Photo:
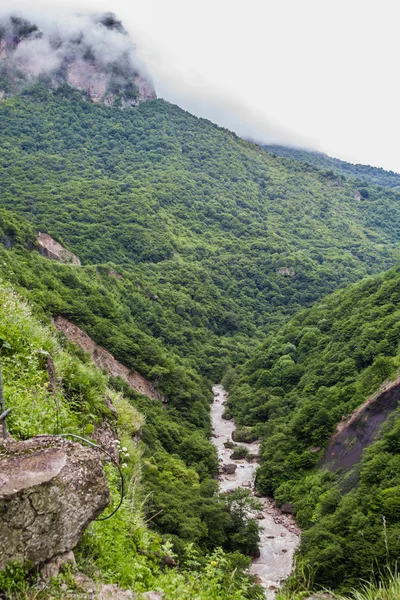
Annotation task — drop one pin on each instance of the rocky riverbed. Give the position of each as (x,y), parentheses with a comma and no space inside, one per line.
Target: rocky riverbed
(279,535)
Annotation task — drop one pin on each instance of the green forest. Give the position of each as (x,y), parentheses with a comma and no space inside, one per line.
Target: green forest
(321,366)
(204,258)
(361,173)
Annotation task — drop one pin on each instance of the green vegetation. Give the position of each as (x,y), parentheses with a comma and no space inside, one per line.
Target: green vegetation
(362,173)
(172,464)
(240,452)
(198,216)
(386,589)
(182,228)
(318,368)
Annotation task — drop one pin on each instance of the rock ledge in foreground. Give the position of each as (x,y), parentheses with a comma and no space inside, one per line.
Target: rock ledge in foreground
(50,490)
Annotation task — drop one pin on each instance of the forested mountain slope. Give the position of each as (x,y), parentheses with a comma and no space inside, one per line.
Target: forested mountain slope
(166,464)
(300,385)
(194,245)
(363,173)
(201,216)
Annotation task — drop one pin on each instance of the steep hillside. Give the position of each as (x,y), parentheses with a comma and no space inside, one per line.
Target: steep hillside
(191,246)
(202,217)
(92,53)
(52,387)
(113,311)
(299,392)
(362,173)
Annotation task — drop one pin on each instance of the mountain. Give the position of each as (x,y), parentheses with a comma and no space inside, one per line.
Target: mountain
(323,394)
(177,254)
(93,54)
(53,387)
(362,173)
(190,208)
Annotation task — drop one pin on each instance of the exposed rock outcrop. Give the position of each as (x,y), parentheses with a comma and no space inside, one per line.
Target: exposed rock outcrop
(105,436)
(93,54)
(50,490)
(360,429)
(105,360)
(93,590)
(49,248)
(287,508)
(286,271)
(56,565)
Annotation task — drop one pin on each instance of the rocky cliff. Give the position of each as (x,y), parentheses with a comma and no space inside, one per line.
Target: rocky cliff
(106,361)
(49,248)
(50,490)
(93,54)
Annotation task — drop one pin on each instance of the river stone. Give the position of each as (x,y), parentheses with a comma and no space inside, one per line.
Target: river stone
(229,469)
(50,490)
(287,508)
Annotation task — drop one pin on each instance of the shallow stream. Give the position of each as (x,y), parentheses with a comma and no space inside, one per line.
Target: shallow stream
(278,539)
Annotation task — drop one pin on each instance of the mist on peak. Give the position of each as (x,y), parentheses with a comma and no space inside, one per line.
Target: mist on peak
(92,53)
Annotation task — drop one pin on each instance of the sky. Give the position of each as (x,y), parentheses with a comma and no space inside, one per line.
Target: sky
(319,74)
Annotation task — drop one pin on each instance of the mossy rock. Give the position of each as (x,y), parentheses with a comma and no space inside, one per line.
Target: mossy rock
(230,445)
(245,435)
(240,452)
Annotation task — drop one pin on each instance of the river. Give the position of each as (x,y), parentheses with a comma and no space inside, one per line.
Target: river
(278,537)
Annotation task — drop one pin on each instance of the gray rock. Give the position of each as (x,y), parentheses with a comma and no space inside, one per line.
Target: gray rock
(287,508)
(105,437)
(50,490)
(229,469)
(57,564)
(99,591)
(113,592)
(152,596)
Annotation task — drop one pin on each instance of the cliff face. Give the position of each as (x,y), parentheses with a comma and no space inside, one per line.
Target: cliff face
(105,360)
(50,490)
(49,248)
(92,53)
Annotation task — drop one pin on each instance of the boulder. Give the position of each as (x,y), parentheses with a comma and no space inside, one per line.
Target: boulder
(245,435)
(105,437)
(287,508)
(113,592)
(152,596)
(56,565)
(50,490)
(230,445)
(94,590)
(229,469)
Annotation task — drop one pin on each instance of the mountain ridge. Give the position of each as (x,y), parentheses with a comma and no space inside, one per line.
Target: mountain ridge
(197,246)
(94,55)
(360,172)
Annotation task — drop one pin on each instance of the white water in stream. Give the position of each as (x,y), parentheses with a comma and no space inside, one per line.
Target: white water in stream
(277,542)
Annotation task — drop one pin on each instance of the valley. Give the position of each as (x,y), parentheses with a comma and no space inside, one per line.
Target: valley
(221,317)
(277,541)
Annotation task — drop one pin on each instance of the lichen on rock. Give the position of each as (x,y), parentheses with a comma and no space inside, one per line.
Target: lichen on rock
(50,490)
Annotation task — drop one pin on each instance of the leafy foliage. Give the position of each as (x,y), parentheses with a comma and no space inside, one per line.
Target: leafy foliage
(362,173)
(167,474)
(318,368)
(195,246)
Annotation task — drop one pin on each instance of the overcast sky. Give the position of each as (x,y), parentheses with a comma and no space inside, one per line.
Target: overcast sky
(317,73)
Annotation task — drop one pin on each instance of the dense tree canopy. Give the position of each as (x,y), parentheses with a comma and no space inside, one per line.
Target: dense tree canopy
(322,365)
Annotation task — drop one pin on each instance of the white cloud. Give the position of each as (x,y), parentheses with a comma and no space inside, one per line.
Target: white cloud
(322,74)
